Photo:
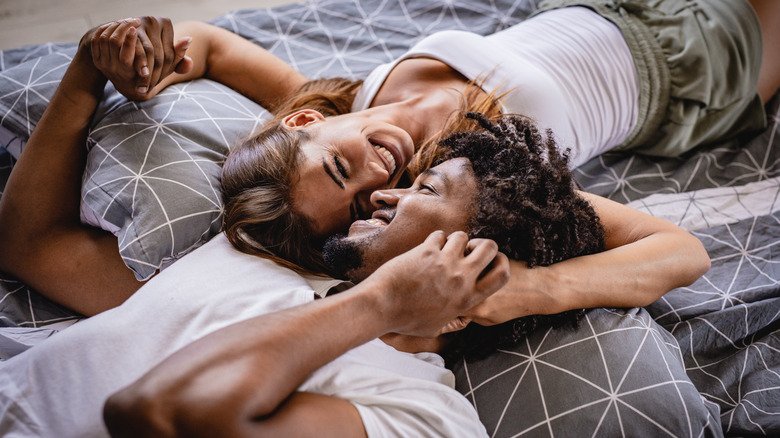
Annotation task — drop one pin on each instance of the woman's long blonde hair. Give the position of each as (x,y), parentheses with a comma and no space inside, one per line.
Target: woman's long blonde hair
(259,174)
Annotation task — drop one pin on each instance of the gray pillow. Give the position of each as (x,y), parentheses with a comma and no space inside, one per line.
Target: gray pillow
(618,374)
(152,174)
(153,169)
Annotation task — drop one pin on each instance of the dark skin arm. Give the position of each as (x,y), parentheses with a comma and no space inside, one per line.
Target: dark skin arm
(42,241)
(231,384)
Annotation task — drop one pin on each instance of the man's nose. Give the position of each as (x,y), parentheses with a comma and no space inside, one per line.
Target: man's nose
(385,198)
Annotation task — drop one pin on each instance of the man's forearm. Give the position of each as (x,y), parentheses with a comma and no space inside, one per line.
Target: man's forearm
(247,370)
(45,186)
(242,373)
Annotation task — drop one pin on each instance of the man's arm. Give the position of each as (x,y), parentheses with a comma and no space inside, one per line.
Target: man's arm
(645,258)
(241,380)
(42,241)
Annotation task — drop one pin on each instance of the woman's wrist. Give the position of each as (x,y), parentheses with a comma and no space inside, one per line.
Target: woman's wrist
(548,293)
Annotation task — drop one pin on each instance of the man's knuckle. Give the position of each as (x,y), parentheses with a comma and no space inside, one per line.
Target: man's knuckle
(459,278)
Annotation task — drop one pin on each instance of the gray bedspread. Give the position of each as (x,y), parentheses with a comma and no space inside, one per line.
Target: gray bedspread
(727,324)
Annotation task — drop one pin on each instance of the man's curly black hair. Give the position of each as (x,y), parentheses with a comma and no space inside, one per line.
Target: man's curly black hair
(528,204)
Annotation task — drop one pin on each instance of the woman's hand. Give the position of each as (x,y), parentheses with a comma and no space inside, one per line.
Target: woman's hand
(135,54)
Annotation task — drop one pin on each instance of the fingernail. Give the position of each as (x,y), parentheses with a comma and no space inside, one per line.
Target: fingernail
(142,90)
(187,41)
(145,71)
(131,32)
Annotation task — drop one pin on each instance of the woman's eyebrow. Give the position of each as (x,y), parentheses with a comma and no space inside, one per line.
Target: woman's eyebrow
(332,174)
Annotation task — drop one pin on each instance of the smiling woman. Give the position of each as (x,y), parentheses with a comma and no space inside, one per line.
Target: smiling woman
(351,152)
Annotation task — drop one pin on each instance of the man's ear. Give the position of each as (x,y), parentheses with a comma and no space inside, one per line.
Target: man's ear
(302,118)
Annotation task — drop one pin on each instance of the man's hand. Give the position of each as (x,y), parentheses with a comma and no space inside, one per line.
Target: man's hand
(135,54)
(427,287)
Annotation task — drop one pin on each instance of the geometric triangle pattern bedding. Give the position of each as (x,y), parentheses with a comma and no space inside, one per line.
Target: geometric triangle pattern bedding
(718,373)
(568,382)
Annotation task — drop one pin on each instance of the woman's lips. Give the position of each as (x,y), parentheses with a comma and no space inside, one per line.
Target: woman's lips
(393,169)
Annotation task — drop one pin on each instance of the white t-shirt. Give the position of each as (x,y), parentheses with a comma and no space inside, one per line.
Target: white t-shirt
(58,388)
(569,69)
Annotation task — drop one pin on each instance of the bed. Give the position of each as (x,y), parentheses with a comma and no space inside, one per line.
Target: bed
(152,179)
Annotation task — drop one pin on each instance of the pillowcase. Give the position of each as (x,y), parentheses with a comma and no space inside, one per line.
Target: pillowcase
(618,374)
(153,169)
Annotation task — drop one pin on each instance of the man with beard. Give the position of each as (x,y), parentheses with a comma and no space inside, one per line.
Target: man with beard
(309,370)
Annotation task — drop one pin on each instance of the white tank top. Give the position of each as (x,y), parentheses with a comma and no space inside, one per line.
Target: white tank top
(569,69)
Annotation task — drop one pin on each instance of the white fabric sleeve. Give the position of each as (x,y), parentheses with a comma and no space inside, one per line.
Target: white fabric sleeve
(426,410)
(398,394)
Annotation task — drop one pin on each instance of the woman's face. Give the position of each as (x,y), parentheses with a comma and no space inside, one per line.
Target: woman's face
(345,160)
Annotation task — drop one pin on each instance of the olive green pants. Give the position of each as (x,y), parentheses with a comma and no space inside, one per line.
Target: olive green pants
(697,64)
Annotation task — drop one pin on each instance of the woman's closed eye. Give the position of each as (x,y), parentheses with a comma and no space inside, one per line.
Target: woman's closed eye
(340,167)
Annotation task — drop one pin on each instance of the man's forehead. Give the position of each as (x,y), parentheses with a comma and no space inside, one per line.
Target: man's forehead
(451,171)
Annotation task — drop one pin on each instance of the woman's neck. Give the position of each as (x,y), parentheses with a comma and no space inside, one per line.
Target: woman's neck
(422,115)
(421,94)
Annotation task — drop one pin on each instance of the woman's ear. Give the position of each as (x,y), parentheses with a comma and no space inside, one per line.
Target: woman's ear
(302,118)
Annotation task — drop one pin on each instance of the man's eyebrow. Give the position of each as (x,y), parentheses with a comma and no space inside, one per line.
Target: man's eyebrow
(332,175)
(428,173)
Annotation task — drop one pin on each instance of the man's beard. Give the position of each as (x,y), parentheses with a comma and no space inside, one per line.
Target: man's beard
(342,256)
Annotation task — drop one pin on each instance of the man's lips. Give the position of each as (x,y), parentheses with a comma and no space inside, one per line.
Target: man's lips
(379,219)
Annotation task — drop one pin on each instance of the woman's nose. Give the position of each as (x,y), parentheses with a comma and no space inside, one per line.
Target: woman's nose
(384,198)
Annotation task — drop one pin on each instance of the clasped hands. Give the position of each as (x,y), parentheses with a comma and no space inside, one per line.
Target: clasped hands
(135,54)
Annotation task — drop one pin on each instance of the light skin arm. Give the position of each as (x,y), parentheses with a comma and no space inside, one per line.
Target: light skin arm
(232,384)
(42,241)
(213,53)
(645,258)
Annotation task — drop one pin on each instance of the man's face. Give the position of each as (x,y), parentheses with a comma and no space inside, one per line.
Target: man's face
(441,198)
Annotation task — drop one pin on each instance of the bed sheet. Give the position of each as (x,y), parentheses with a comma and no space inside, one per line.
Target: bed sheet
(727,324)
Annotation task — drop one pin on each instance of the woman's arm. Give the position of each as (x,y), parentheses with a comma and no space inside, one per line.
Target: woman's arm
(42,241)
(213,53)
(241,380)
(645,258)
